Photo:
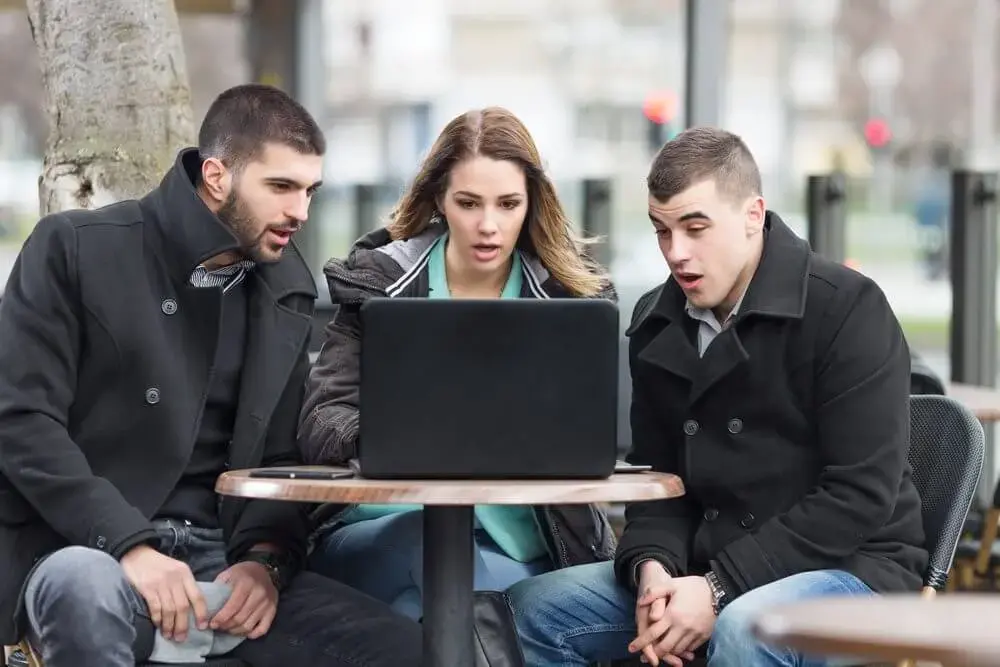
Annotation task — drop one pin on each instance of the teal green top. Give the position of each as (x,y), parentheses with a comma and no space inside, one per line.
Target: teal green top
(512,527)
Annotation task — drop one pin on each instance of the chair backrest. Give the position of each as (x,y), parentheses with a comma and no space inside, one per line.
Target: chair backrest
(947,448)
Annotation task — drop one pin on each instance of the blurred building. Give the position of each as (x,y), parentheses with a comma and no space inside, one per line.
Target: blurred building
(578,72)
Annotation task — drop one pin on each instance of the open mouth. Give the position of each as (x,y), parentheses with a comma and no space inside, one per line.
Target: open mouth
(281,236)
(688,281)
(485,252)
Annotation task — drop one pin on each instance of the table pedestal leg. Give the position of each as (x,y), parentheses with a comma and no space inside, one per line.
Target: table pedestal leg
(448,577)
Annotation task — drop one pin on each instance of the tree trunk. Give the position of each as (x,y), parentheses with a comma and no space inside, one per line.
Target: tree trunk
(116,97)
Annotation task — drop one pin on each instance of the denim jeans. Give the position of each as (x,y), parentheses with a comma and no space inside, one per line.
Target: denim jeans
(581,615)
(82,609)
(383,558)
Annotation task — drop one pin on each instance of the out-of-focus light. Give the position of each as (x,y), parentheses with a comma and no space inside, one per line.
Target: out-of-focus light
(877,132)
(660,107)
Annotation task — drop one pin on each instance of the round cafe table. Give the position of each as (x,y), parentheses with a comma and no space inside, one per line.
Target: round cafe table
(956,630)
(448,529)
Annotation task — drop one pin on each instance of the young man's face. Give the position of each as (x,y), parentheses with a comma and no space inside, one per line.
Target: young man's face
(269,198)
(711,243)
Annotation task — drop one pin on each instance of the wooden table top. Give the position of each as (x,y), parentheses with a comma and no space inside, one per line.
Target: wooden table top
(617,488)
(953,629)
(983,401)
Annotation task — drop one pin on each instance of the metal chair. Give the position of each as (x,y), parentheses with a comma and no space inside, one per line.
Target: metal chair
(947,449)
(977,559)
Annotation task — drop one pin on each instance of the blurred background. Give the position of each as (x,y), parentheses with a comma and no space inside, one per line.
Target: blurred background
(891,94)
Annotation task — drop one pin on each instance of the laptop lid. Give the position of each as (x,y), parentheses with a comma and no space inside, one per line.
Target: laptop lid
(488,388)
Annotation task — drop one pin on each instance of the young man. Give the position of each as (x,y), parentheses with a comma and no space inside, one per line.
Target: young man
(775,384)
(145,348)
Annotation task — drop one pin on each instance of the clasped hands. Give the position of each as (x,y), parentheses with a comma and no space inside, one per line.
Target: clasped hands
(674,616)
(170,592)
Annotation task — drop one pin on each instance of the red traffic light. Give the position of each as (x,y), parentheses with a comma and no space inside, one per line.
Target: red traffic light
(660,107)
(877,133)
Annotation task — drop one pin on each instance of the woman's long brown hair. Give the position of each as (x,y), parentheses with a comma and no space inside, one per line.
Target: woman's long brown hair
(496,133)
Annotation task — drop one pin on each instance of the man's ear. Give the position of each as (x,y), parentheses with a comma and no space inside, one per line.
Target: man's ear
(755,212)
(216,179)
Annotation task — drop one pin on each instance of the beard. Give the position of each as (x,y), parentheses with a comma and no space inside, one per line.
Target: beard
(235,215)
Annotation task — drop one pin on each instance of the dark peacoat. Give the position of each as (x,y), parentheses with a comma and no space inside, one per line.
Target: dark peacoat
(790,434)
(105,359)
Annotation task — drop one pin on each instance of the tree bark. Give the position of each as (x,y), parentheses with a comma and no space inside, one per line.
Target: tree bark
(116,97)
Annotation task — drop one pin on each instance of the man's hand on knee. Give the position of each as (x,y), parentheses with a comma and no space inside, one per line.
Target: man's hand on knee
(687,621)
(169,589)
(253,604)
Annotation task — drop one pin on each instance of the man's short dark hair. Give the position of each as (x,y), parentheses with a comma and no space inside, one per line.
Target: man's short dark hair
(243,119)
(703,153)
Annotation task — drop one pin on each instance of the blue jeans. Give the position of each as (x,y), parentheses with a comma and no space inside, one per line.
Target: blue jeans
(82,612)
(383,558)
(581,615)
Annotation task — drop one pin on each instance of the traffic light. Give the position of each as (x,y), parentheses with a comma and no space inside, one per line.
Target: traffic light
(660,110)
(877,133)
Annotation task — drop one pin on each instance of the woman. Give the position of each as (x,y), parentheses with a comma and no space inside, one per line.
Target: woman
(481,220)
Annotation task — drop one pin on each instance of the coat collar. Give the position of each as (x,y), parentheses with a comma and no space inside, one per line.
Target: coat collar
(190,233)
(778,287)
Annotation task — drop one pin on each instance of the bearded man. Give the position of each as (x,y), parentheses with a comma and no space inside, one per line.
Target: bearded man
(145,348)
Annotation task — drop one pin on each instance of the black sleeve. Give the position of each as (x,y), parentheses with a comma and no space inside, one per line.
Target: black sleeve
(328,427)
(40,332)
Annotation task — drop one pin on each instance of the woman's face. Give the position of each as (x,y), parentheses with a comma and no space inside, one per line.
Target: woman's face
(485,206)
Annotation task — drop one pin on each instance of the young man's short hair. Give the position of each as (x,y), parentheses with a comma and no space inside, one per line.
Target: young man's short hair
(243,119)
(703,153)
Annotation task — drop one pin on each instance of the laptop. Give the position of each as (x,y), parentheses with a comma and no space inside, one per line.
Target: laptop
(491,389)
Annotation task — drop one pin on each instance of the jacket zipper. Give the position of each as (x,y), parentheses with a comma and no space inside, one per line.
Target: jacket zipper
(562,557)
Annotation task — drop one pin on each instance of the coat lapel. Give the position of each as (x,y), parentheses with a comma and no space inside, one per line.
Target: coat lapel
(276,339)
(725,354)
(671,349)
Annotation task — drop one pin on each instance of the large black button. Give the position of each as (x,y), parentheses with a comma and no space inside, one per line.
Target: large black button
(735,425)
(152,395)
(691,427)
(711,514)
(748,520)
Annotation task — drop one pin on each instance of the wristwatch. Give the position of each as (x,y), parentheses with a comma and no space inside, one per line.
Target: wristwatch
(275,565)
(718,592)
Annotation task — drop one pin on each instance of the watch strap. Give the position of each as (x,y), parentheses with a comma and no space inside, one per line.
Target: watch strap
(274,564)
(718,591)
